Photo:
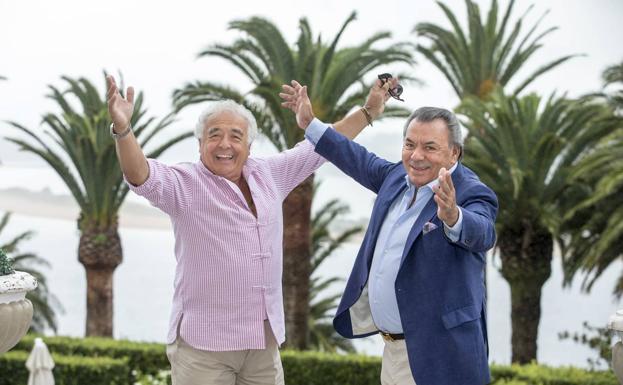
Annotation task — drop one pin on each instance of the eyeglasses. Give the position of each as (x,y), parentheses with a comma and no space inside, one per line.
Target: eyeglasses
(393,92)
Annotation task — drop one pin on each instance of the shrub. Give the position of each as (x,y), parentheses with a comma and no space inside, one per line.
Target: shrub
(534,374)
(146,363)
(313,368)
(150,358)
(67,370)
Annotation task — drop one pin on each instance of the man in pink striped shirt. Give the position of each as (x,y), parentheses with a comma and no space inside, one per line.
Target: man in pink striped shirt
(227,319)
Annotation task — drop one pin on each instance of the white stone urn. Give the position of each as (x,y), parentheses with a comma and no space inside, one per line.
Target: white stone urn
(15,309)
(616,324)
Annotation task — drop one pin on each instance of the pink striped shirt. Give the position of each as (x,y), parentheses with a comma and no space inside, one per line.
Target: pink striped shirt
(229,263)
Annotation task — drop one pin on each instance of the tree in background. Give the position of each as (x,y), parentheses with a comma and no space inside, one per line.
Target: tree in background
(46,305)
(486,53)
(596,223)
(323,336)
(525,149)
(335,86)
(79,148)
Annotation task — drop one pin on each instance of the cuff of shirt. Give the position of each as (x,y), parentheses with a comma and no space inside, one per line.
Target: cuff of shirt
(454,232)
(315,130)
(149,183)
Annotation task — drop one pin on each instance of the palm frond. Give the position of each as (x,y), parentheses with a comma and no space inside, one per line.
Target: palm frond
(483,55)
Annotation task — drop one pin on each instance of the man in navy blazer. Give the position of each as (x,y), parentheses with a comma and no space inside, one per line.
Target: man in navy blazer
(419,275)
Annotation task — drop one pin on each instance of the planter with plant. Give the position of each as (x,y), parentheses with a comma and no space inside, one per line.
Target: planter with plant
(15,309)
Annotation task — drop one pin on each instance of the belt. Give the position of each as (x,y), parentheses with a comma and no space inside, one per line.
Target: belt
(392,337)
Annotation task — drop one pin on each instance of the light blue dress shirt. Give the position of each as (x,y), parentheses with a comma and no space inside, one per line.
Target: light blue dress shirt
(391,242)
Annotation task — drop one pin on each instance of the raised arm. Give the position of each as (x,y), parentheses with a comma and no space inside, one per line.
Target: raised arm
(296,99)
(131,158)
(337,147)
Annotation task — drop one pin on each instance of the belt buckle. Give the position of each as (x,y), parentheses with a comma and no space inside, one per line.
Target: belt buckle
(387,337)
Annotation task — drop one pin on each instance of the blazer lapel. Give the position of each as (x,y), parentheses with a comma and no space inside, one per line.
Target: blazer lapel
(427,213)
(430,210)
(384,202)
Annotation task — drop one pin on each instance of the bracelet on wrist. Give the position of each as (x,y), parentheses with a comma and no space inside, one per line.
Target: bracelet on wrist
(366,113)
(120,135)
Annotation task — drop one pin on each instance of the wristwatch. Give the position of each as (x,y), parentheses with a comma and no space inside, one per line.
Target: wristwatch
(120,135)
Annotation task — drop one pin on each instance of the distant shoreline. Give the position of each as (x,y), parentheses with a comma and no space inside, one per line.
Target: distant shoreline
(44,204)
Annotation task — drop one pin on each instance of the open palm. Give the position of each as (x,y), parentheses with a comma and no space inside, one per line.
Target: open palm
(119,108)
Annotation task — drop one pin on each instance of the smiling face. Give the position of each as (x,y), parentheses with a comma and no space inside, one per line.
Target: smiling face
(426,149)
(224,148)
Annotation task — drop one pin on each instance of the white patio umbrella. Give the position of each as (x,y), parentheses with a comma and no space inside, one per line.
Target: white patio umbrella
(40,365)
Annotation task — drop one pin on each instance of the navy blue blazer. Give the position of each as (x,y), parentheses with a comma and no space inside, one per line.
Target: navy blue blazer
(440,284)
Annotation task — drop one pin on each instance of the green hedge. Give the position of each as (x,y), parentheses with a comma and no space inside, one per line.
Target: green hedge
(67,370)
(300,368)
(313,368)
(148,357)
(534,374)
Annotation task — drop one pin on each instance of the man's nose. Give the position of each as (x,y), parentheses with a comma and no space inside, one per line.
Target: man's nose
(225,142)
(417,154)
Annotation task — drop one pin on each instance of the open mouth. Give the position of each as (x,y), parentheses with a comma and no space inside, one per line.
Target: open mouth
(419,169)
(224,157)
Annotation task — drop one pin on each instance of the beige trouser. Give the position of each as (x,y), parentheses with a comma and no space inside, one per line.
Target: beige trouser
(190,366)
(395,369)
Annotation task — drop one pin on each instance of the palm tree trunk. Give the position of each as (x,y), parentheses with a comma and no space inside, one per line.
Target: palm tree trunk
(526,254)
(297,263)
(100,253)
(99,302)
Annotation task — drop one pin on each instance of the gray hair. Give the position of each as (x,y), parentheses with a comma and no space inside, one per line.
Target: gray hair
(226,105)
(428,114)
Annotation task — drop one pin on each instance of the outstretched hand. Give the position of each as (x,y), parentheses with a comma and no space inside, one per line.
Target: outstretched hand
(378,96)
(296,99)
(445,197)
(119,108)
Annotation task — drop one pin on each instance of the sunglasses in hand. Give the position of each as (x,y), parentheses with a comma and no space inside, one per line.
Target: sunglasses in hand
(393,92)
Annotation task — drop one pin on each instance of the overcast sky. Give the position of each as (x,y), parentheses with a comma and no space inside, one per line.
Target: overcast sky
(155,45)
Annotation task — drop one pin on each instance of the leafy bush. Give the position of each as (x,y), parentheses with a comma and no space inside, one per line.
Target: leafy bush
(68,370)
(149,358)
(313,368)
(534,374)
(147,364)
(599,339)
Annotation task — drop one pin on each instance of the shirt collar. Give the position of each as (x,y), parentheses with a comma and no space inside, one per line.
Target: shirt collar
(433,183)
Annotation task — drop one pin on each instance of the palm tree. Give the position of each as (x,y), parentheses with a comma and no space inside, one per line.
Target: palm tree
(323,336)
(45,304)
(596,224)
(525,149)
(80,133)
(486,54)
(334,79)
(613,75)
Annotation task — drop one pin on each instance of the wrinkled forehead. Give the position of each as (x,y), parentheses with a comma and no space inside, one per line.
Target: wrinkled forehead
(227,121)
(435,130)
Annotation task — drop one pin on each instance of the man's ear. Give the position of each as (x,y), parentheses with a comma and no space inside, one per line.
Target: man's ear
(456,153)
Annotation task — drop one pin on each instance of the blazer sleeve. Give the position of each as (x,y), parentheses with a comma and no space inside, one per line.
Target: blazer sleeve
(354,160)
(479,207)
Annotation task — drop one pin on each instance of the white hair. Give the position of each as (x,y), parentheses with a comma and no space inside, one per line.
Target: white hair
(226,105)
